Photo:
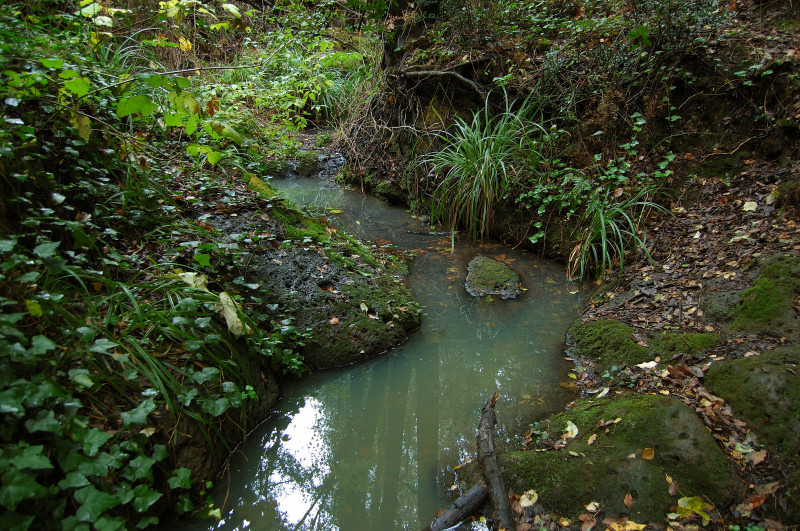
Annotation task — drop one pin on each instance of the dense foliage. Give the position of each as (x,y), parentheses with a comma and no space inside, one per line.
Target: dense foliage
(122,314)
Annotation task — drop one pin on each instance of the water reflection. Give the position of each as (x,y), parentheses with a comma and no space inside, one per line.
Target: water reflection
(369,446)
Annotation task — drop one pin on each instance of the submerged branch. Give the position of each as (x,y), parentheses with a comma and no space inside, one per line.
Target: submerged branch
(502,513)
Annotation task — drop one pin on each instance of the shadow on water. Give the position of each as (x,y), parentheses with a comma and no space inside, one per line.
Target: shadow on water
(369,446)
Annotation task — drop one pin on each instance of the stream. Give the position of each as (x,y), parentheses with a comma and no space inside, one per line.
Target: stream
(373,446)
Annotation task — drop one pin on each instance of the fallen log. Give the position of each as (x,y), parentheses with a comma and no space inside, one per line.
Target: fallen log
(502,514)
(461,509)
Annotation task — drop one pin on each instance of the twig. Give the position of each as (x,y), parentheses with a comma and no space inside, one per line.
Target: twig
(443,73)
(743,142)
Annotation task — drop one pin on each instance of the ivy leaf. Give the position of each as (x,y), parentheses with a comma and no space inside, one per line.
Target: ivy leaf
(19,485)
(32,458)
(140,468)
(203,259)
(41,345)
(52,63)
(138,415)
(205,375)
(221,405)
(144,497)
(46,250)
(6,246)
(214,157)
(13,521)
(102,345)
(45,421)
(81,377)
(93,503)
(109,523)
(93,439)
(73,480)
(79,86)
(181,479)
(135,104)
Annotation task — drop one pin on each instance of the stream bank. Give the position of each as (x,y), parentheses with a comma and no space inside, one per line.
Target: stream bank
(676,334)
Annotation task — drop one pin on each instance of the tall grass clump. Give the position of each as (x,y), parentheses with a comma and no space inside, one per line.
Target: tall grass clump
(481,162)
(612,229)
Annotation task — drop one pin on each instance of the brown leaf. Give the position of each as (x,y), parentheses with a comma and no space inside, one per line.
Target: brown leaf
(592,438)
(629,501)
(757,457)
(334,320)
(648,453)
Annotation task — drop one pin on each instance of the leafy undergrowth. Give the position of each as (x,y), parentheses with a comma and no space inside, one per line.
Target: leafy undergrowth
(135,346)
(714,251)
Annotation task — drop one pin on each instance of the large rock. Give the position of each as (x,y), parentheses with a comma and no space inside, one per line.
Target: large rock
(615,463)
(767,307)
(487,276)
(764,391)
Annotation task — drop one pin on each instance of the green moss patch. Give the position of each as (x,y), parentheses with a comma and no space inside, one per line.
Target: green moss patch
(608,343)
(768,306)
(613,465)
(765,391)
(668,345)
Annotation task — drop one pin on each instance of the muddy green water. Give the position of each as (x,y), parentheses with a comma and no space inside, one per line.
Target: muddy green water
(372,446)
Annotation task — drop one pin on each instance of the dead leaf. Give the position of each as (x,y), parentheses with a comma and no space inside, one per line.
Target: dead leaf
(591,440)
(334,320)
(673,488)
(229,309)
(593,507)
(750,206)
(529,498)
(364,307)
(588,522)
(628,501)
(184,44)
(571,431)
(648,453)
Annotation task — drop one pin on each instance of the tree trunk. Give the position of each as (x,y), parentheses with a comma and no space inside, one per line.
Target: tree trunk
(502,514)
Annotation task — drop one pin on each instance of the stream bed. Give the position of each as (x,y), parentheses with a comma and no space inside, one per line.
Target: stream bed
(372,446)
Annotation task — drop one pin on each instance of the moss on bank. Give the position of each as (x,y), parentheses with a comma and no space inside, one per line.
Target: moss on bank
(608,343)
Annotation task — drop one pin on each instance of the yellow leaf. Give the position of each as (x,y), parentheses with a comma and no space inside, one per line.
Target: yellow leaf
(82,124)
(528,499)
(648,453)
(184,44)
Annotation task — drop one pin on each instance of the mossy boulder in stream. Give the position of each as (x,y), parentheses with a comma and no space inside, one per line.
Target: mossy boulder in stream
(487,276)
(623,446)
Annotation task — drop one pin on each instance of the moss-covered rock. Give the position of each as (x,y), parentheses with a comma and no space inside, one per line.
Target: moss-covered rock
(614,464)
(390,191)
(765,392)
(608,343)
(487,276)
(767,307)
(307,163)
(276,168)
(667,345)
